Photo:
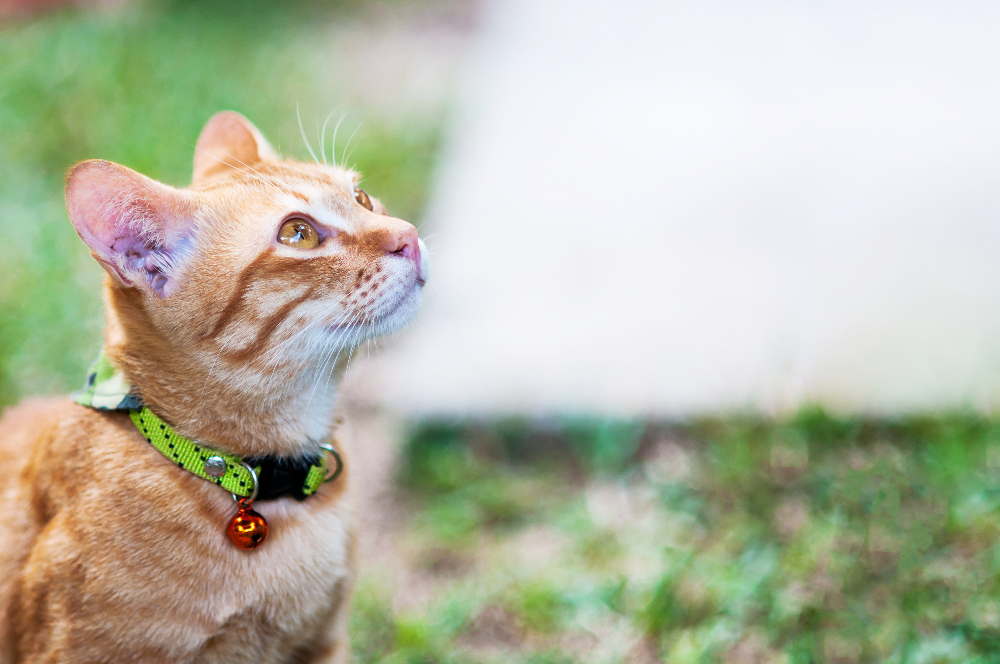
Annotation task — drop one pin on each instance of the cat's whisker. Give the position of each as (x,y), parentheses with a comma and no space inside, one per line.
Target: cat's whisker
(303,132)
(298,334)
(247,170)
(322,137)
(346,156)
(270,368)
(333,141)
(350,356)
(321,154)
(265,179)
(259,176)
(274,361)
(344,328)
(211,369)
(272,365)
(347,340)
(318,377)
(337,347)
(350,353)
(348,332)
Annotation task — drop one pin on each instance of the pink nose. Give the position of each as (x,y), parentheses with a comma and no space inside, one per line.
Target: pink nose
(404,243)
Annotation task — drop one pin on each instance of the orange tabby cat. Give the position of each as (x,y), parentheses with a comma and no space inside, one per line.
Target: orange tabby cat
(229,306)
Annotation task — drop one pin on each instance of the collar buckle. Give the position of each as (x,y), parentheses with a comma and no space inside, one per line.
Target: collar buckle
(336,457)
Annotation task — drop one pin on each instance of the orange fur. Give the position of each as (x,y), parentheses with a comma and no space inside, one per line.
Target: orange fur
(112,553)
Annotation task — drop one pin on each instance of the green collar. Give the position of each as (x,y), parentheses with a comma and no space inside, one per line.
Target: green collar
(271,477)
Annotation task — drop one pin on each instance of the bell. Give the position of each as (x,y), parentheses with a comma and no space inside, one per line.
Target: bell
(247,530)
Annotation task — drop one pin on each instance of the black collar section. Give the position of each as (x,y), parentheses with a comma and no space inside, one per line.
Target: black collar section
(279,477)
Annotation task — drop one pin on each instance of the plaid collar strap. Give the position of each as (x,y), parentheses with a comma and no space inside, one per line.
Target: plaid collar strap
(276,477)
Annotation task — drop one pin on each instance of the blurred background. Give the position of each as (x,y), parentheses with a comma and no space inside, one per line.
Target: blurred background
(709,362)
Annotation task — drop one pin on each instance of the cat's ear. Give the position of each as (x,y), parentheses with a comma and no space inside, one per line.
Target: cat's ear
(139,230)
(228,141)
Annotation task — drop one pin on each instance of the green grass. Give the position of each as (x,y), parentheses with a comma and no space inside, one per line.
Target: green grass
(135,86)
(812,539)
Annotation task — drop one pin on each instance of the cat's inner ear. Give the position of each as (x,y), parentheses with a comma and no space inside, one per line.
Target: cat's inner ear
(139,230)
(229,141)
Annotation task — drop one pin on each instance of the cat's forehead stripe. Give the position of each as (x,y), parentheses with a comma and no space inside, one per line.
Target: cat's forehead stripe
(253,182)
(287,181)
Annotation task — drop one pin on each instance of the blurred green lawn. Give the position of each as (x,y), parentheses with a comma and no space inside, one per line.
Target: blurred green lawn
(739,540)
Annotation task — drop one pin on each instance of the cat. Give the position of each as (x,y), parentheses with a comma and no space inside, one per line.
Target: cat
(231,307)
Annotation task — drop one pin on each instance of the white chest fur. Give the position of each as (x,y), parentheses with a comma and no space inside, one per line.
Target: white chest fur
(286,595)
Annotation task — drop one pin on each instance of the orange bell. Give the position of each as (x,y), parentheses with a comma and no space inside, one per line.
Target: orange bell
(247,530)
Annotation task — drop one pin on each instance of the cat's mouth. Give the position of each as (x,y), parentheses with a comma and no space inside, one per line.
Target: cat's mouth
(392,310)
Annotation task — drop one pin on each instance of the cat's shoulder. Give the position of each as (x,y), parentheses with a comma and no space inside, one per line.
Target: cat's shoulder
(36,414)
(32,419)
(44,436)
(31,414)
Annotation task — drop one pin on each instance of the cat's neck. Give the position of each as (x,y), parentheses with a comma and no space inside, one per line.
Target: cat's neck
(245,411)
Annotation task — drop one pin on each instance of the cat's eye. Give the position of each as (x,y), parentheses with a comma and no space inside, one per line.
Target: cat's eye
(361,197)
(298,233)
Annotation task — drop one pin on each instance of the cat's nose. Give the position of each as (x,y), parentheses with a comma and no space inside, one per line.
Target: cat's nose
(404,243)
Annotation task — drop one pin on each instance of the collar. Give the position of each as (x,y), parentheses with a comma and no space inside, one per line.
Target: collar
(256,478)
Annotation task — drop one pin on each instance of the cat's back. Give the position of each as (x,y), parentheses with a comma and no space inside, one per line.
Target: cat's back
(25,430)
(27,434)
(71,495)
(41,439)
(43,442)
(23,424)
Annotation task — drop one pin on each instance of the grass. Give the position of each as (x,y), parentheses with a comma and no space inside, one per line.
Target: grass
(813,539)
(135,85)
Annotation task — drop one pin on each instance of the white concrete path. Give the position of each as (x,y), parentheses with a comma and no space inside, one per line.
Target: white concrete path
(671,208)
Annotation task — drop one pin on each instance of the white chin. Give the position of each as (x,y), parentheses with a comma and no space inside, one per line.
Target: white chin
(401,315)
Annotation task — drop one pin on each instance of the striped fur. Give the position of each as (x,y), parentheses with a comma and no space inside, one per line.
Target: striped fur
(110,553)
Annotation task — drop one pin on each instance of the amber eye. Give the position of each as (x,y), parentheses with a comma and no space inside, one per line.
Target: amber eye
(361,197)
(298,233)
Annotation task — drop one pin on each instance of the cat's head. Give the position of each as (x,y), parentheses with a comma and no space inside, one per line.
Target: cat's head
(261,263)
